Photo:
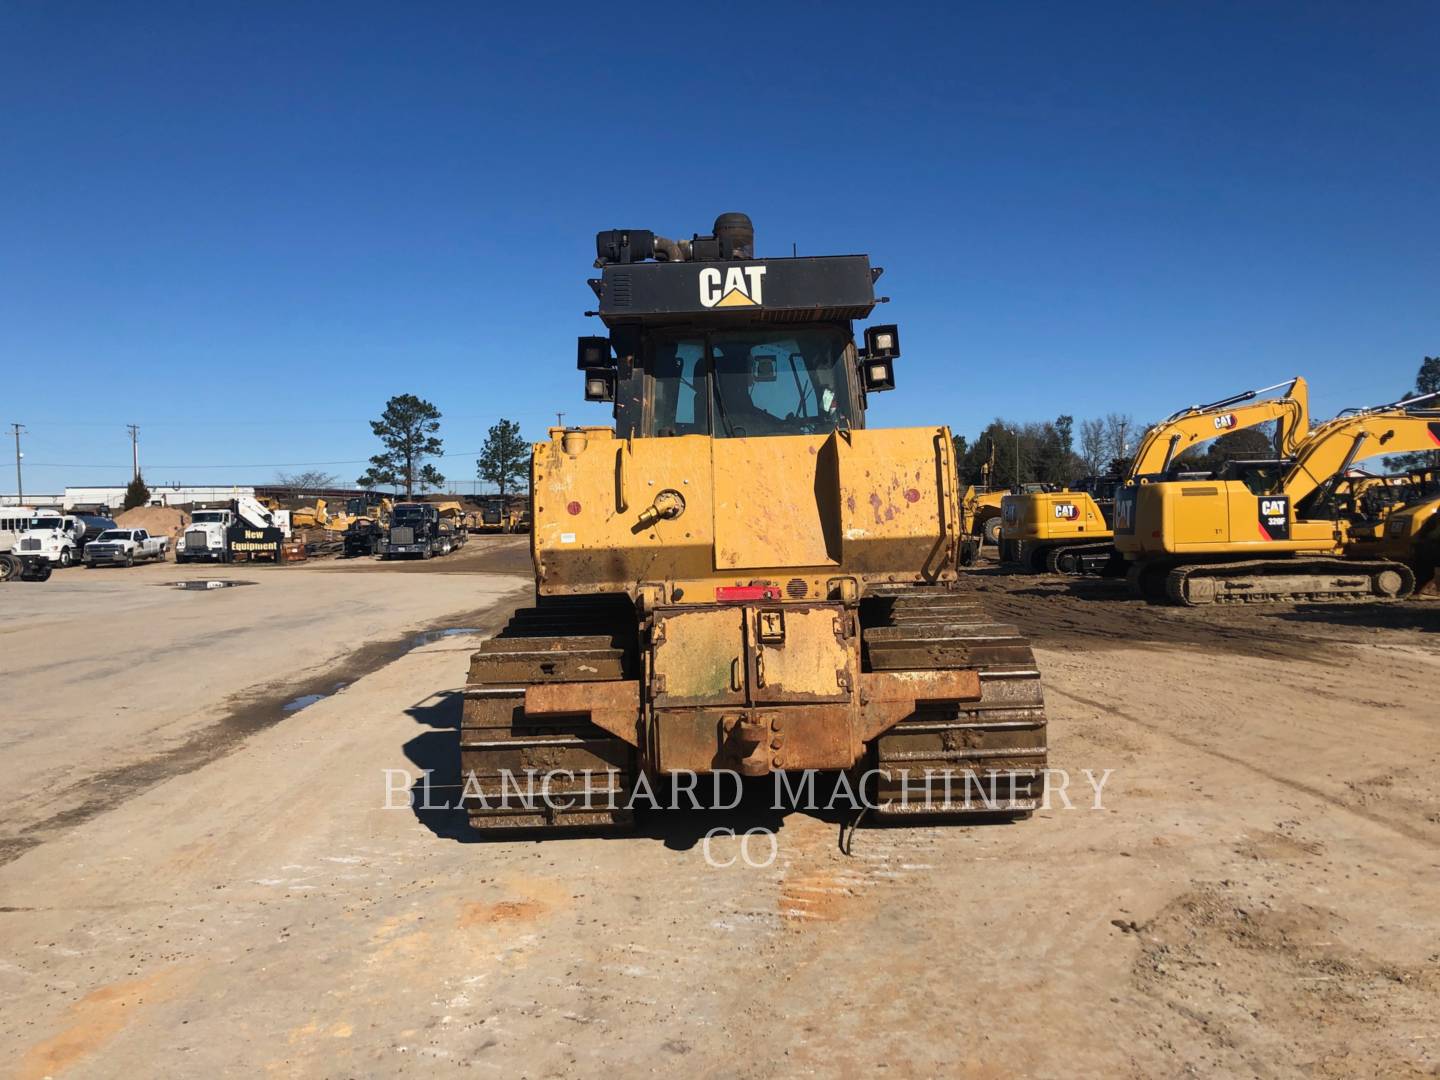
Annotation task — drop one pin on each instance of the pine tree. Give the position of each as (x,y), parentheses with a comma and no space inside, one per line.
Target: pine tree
(137,494)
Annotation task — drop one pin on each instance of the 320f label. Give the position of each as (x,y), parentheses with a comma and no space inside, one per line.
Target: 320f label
(1274,517)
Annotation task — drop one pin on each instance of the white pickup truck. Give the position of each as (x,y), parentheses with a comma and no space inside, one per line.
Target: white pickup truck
(125,547)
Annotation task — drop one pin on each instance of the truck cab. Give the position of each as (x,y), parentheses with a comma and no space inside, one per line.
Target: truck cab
(414,532)
(52,537)
(205,538)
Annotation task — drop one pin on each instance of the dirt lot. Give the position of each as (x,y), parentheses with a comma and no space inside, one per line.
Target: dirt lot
(202,882)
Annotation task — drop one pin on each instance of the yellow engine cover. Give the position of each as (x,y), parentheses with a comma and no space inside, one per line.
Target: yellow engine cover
(695,513)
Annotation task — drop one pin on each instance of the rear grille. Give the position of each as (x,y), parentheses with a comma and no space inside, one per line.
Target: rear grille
(402,536)
(197,539)
(620,290)
(796,588)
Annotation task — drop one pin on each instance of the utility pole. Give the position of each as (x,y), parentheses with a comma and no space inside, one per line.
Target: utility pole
(560,419)
(134,430)
(19,478)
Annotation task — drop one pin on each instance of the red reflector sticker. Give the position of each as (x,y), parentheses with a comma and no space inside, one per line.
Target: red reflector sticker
(732,593)
(573,507)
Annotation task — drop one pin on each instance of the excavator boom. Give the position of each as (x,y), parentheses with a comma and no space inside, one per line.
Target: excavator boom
(1197,542)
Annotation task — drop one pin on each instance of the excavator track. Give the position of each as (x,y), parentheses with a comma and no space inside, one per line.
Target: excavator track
(993,750)
(1080,560)
(563,639)
(1298,580)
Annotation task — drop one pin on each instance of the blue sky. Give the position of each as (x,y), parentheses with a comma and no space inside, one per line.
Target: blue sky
(244,226)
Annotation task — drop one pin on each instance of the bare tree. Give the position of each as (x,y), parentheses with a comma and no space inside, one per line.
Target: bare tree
(1119,432)
(305,482)
(1092,445)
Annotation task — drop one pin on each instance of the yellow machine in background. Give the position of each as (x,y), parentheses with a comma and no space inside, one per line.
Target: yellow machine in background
(1404,531)
(740,577)
(500,513)
(1221,541)
(311,517)
(1071,531)
(366,521)
(452,524)
(982,509)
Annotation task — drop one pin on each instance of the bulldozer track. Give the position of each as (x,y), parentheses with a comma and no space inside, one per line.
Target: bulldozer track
(982,757)
(1289,581)
(501,748)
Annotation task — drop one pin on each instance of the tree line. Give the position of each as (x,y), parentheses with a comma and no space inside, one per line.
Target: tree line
(1007,453)
(409,434)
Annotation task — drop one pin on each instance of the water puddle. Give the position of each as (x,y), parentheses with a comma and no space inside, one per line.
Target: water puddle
(302,702)
(202,586)
(429,637)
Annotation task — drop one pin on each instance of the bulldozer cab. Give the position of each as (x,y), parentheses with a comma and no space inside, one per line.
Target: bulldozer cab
(706,340)
(746,382)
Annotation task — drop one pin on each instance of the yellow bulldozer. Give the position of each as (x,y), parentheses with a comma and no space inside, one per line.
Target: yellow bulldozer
(740,578)
(1071,531)
(1224,541)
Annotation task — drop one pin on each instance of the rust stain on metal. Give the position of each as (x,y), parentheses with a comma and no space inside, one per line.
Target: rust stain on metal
(613,706)
(887,697)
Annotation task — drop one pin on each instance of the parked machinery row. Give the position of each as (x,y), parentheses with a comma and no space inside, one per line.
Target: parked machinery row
(1306,525)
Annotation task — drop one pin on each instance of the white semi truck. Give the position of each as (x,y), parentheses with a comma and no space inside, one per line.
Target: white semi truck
(207,537)
(58,538)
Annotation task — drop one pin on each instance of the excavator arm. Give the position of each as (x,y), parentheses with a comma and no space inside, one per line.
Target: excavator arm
(1167,440)
(1337,444)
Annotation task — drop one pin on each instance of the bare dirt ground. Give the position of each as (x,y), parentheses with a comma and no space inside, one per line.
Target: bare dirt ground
(1258,895)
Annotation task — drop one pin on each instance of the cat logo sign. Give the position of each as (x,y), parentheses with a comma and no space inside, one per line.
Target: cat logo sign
(735,286)
(1225,423)
(1066,511)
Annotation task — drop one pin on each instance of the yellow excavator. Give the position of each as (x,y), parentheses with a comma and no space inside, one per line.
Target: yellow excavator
(1071,531)
(1405,530)
(1222,541)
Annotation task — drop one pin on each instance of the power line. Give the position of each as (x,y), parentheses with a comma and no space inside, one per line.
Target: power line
(262,465)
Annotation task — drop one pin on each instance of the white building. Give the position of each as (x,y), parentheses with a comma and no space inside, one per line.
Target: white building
(113,496)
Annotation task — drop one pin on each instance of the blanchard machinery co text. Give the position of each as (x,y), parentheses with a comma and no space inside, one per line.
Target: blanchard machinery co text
(562,790)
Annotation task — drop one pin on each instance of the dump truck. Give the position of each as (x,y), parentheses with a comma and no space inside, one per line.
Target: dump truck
(739,577)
